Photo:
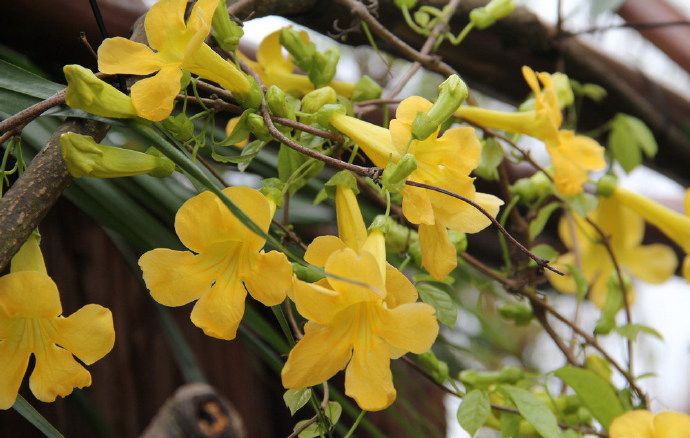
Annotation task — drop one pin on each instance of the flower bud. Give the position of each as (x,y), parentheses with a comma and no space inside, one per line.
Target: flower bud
(437,368)
(324,115)
(299,46)
(365,89)
(530,189)
(395,174)
(257,126)
(483,379)
(252,99)
(398,237)
(405,4)
(452,92)
(272,188)
(225,30)
(487,15)
(324,66)
(307,273)
(278,103)
(95,96)
(84,157)
(314,100)
(520,313)
(179,126)
(607,185)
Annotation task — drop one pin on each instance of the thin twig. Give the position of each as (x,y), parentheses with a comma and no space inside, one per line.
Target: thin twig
(333,136)
(541,316)
(636,26)
(87,44)
(540,261)
(23,117)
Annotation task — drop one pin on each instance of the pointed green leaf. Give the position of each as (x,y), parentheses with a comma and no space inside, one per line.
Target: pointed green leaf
(474,410)
(446,310)
(596,394)
(295,399)
(534,411)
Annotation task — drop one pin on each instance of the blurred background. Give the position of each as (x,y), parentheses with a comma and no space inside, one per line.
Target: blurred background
(644,68)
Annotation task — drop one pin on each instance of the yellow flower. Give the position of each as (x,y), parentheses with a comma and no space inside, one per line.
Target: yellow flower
(643,424)
(275,69)
(225,262)
(443,162)
(179,48)
(360,316)
(675,225)
(88,93)
(653,263)
(230,127)
(31,323)
(572,155)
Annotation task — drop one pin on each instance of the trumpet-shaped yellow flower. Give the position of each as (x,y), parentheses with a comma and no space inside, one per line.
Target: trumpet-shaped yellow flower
(573,156)
(31,323)
(225,262)
(179,48)
(360,316)
(443,162)
(275,69)
(675,225)
(653,263)
(643,424)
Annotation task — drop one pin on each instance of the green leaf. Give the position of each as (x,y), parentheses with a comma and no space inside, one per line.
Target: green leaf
(474,410)
(332,411)
(583,203)
(27,411)
(630,331)
(295,399)
(571,434)
(446,310)
(544,251)
(492,155)
(21,81)
(613,303)
(534,411)
(629,138)
(539,222)
(596,394)
(581,284)
(510,425)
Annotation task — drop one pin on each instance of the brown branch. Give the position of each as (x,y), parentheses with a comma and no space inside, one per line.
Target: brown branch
(35,192)
(541,316)
(636,26)
(23,117)
(333,136)
(540,261)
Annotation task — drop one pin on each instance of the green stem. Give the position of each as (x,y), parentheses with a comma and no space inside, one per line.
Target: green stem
(355,424)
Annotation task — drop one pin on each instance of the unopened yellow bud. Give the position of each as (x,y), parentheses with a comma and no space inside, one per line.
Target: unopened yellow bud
(95,96)
(84,157)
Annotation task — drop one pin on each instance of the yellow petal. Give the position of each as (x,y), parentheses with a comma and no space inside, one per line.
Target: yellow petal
(633,424)
(416,205)
(399,290)
(200,17)
(219,310)
(568,177)
(318,356)
(471,220)
(410,327)
(56,373)
(653,263)
(208,64)
(317,301)
(230,127)
(368,377)
(686,202)
(154,97)
(409,108)
(88,333)
(355,276)
(376,246)
(120,55)
(563,283)
(270,278)
(439,257)
(14,359)
(458,148)
(671,425)
(29,256)
(374,140)
(321,248)
(625,227)
(686,268)
(583,150)
(351,228)
(29,294)
(532,123)
(270,55)
(163,20)
(204,220)
(176,278)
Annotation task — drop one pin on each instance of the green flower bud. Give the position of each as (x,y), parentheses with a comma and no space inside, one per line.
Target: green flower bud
(273,188)
(278,103)
(398,237)
(452,92)
(520,313)
(253,98)
(422,18)
(487,15)
(225,30)
(302,51)
(88,93)
(365,89)
(307,273)
(395,174)
(437,368)
(257,126)
(84,157)
(179,126)
(405,4)
(314,100)
(530,189)
(324,66)
(344,178)
(324,115)
(606,185)
(484,379)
